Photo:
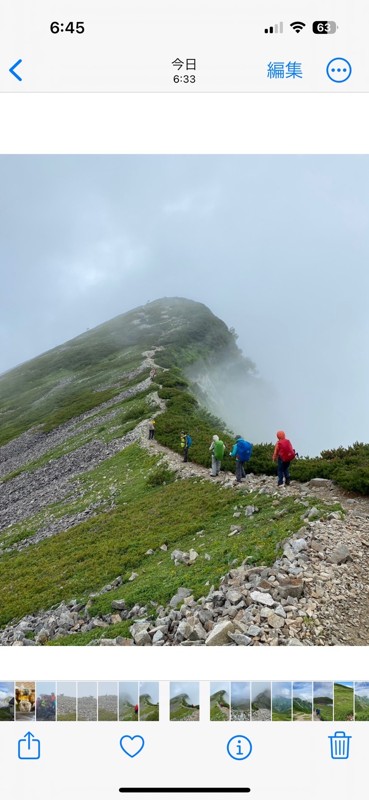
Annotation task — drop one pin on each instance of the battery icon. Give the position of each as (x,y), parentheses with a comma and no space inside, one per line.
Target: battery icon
(324,26)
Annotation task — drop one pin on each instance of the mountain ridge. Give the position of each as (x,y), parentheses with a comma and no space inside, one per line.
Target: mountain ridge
(92,513)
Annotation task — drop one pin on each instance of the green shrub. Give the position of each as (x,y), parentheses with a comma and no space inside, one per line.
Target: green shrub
(160,476)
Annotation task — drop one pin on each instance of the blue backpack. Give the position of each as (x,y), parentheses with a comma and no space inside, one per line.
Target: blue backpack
(188,440)
(244,450)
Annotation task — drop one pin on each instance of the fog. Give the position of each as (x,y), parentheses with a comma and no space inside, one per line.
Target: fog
(128,692)
(240,692)
(276,246)
(220,686)
(151,689)
(191,690)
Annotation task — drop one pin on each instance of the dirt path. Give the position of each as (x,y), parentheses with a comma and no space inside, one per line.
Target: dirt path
(338,592)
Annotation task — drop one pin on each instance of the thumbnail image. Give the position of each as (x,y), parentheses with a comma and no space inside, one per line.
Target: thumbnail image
(25,701)
(128,701)
(6,701)
(66,701)
(164,331)
(302,702)
(219,702)
(87,701)
(45,701)
(148,704)
(184,702)
(240,702)
(108,701)
(361,702)
(344,701)
(281,701)
(322,701)
(260,702)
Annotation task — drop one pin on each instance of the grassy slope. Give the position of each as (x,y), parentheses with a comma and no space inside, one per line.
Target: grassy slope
(343,702)
(146,515)
(93,553)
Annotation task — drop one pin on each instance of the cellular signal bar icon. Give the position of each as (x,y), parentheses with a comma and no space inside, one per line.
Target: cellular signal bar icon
(277,28)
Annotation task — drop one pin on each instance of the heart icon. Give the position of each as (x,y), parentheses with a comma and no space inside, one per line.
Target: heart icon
(132,745)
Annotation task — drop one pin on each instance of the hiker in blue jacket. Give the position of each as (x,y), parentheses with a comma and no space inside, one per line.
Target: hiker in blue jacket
(241,450)
(186,442)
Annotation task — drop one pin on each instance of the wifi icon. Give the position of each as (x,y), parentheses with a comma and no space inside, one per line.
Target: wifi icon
(298,26)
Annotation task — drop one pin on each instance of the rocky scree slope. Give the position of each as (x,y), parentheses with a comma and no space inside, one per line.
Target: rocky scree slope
(90,400)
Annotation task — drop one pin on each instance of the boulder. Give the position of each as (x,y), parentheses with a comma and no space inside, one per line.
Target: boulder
(119,605)
(219,634)
(142,639)
(240,639)
(324,483)
(262,597)
(180,595)
(291,587)
(340,555)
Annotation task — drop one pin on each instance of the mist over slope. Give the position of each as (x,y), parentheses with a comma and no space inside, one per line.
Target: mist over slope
(88,370)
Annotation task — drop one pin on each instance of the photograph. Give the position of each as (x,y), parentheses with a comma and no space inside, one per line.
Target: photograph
(148,704)
(6,701)
(302,702)
(25,701)
(322,702)
(343,695)
(260,702)
(107,702)
(128,701)
(86,701)
(66,701)
(184,437)
(219,701)
(240,702)
(281,701)
(361,695)
(45,701)
(184,702)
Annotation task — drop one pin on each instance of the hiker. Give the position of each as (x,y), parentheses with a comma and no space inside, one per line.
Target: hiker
(152,373)
(242,451)
(283,454)
(216,448)
(318,715)
(186,442)
(152,429)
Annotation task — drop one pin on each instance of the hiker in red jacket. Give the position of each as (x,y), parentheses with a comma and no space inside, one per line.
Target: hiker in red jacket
(283,454)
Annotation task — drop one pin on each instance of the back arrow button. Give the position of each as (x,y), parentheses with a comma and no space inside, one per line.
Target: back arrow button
(13,68)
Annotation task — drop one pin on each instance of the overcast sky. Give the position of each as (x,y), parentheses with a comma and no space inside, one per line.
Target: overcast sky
(278,247)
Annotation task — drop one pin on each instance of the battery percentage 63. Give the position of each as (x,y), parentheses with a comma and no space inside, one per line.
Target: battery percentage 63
(324,26)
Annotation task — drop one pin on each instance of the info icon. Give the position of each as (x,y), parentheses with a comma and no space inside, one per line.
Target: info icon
(239,748)
(339,70)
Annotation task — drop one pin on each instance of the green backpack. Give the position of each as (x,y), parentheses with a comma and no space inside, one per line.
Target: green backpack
(219,450)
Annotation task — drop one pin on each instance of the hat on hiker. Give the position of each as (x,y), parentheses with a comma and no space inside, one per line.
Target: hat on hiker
(215,438)
(238,437)
(281,435)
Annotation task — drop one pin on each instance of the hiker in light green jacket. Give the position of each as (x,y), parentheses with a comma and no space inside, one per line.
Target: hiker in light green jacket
(217,449)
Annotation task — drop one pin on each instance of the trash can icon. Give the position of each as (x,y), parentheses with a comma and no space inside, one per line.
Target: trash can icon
(340,745)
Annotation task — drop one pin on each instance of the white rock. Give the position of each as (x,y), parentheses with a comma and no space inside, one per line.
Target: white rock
(262,597)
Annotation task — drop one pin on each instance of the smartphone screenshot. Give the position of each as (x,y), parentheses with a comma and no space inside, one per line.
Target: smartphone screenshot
(184,443)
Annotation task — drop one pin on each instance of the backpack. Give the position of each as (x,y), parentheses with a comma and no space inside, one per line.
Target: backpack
(219,450)
(188,440)
(244,450)
(286,451)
